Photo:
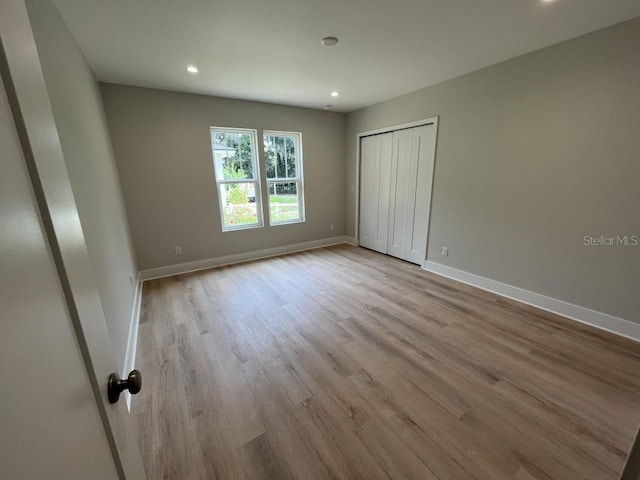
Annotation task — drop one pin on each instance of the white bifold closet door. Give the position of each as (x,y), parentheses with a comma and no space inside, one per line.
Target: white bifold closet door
(396,179)
(375,171)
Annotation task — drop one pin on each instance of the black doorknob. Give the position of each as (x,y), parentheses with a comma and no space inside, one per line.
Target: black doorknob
(116,385)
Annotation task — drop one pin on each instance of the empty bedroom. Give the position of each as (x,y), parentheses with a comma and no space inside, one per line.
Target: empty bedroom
(277,239)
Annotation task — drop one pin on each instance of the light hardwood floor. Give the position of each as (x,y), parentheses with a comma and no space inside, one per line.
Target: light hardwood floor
(343,363)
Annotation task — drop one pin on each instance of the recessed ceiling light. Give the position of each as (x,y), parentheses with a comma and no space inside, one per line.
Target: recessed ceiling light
(329,41)
(334,94)
(192,69)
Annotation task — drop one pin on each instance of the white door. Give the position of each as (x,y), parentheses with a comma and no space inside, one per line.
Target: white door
(367,191)
(382,185)
(375,178)
(55,359)
(423,150)
(399,197)
(50,426)
(396,178)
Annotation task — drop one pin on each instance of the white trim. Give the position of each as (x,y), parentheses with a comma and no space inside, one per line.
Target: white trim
(391,128)
(351,241)
(177,269)
(132,339)
(603,321)
(356,230)
(256,179)
(298,179)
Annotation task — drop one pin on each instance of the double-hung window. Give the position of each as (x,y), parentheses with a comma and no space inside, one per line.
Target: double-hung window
(237,175)
(283,160)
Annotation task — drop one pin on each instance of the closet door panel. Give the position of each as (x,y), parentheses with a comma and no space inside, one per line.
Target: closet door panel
(399,193)
(423,156)
(384,151)
(368,190)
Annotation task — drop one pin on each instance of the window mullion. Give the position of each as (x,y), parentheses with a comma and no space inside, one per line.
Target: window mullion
(246,180)
(284,180)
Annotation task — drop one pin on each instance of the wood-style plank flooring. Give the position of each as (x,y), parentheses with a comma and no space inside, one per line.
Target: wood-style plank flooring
(342,363)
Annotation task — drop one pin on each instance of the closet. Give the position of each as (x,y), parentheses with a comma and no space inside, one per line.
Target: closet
(396,175)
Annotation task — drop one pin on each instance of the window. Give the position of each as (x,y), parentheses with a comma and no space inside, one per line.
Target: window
(237,177)
(283,159)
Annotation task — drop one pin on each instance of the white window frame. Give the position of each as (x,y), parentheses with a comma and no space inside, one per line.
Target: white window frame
(298,179)
(256,180)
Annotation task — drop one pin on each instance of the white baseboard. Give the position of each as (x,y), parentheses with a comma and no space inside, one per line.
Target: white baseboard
(239,258)
(603,321)
(351,241)
(132,340)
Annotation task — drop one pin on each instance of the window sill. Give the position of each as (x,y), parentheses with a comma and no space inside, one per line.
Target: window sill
(287,222)
(241,227)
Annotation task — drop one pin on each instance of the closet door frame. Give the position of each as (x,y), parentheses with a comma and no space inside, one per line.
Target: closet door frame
(392,128)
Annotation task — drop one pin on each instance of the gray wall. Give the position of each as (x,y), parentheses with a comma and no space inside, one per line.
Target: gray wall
(533,154)
(163,149)
(79,115)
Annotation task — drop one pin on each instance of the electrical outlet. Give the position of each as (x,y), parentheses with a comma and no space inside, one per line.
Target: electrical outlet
(178,250)
(445,251)
(353,188)
(332,227)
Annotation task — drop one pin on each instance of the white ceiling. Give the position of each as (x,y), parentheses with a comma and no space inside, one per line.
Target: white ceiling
(270,50)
